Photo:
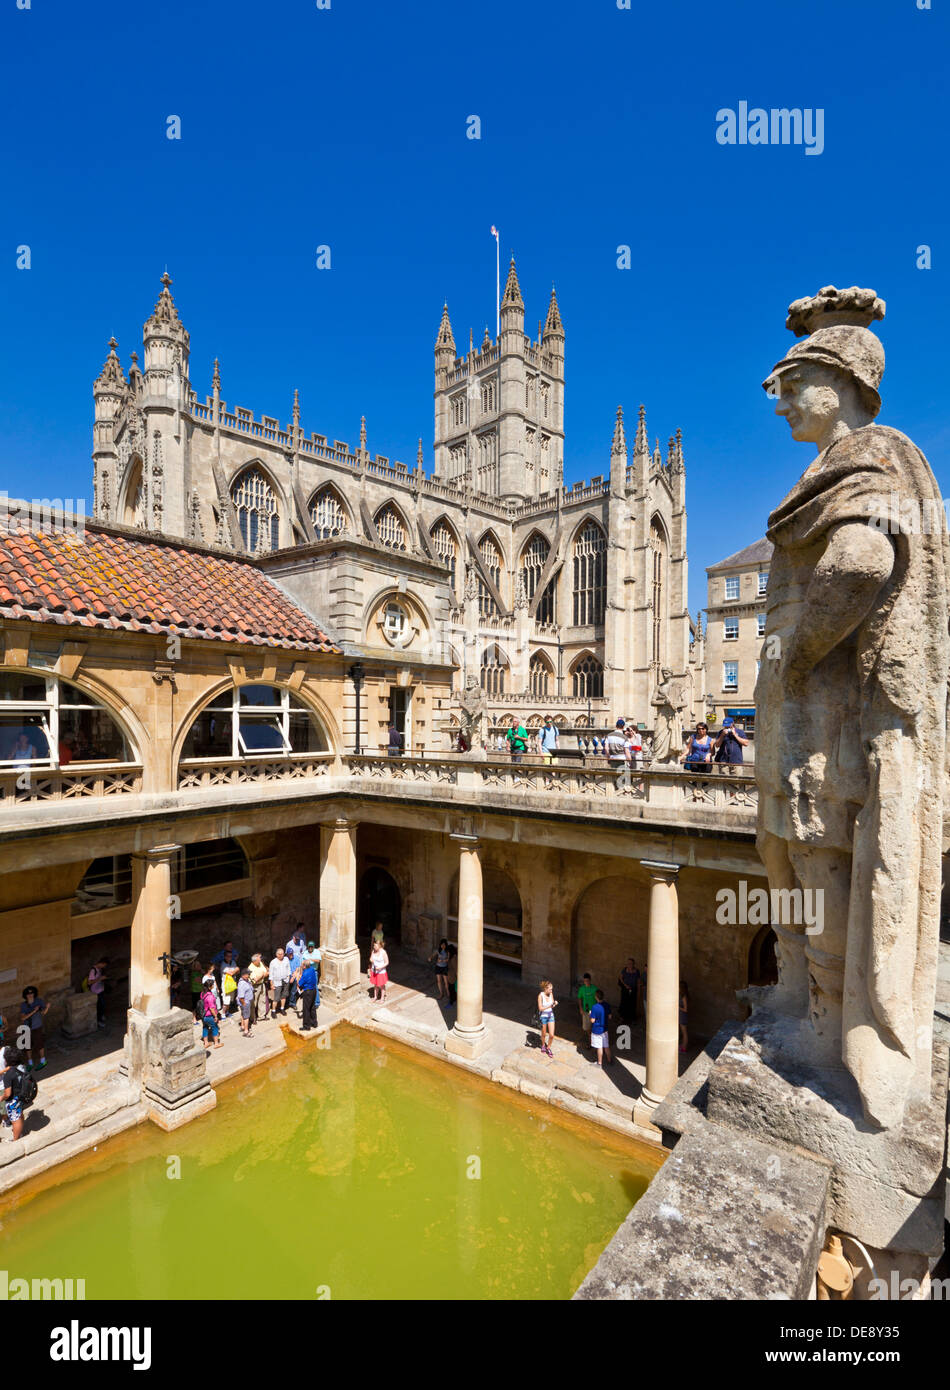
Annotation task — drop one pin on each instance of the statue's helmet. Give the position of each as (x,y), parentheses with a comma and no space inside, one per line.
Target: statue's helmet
(837,324)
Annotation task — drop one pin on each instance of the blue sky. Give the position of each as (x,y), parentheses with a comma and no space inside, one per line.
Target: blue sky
(347,127)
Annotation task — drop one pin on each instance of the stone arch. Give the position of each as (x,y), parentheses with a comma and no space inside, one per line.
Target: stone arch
(380,900)
(763,963)
(260,505)
(131,506)
(494,668)
(658,581)
(609,922)
(540,675)
(503,911)
(588,550)
(587,676)
(329,511)
(315,704)
(392,527)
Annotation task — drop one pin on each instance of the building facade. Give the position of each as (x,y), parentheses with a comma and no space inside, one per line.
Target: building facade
(735,632)
(563,601)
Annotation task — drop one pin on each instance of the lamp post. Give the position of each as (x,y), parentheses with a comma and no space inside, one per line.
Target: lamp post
(356,673)
(560,677)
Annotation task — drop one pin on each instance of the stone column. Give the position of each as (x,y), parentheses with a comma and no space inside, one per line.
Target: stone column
(663,983)
(469,1038)
(164,1057)
(340,967)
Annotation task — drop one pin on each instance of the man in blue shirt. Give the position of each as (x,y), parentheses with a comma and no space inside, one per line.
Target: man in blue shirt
(599,1037)
(311,1000)
(549,737)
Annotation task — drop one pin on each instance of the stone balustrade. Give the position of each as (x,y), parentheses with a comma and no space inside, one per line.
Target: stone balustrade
(199,773)
(28,784)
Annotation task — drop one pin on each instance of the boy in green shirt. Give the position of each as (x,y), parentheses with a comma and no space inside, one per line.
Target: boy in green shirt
(586,994)
(517,737)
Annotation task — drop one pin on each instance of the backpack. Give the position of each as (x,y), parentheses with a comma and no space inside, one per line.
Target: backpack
(24,1087)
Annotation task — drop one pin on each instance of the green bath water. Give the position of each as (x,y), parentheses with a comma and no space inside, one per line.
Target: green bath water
(363,1171)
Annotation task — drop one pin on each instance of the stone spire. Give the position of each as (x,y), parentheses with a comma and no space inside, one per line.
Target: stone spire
(445,337)
(619,445)
(165,314)
(362,434)
(419,460)
(671,453)
(296,410)
(679,465)
(553,324)
(512,295)
(112,377)
(641,447)
(657,457)
(486,341)
(216,376)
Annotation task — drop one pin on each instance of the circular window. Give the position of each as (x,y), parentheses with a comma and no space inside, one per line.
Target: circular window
(395,623)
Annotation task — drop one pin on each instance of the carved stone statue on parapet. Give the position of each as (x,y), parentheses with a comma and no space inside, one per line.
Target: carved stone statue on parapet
(669,701)
(851,706)
(473,710)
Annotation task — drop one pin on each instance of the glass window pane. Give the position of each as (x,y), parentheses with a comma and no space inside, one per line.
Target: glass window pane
(209,736)
(17,686)
(23,739)
(306,735)
(260,695)
(260,736)
(90,736)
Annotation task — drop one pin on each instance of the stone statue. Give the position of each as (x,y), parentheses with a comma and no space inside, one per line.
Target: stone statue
(472,701)
(851,706)
(669,702)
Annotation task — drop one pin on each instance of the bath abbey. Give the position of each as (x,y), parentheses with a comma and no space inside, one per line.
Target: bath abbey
(561,601)
(253,760)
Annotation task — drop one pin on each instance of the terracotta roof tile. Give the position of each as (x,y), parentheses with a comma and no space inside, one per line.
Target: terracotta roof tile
(111,581)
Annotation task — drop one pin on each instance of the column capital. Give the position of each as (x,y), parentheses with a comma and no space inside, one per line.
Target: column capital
(156,853)
(464,841)
(661,870)
(341,824)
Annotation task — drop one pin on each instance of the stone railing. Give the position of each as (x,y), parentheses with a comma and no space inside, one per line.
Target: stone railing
(584,779)
(198,773)
(19,785)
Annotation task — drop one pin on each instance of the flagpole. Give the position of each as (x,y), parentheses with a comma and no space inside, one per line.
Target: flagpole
(497,282)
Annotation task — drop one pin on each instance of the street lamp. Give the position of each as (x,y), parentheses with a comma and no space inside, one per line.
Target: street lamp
(356,674)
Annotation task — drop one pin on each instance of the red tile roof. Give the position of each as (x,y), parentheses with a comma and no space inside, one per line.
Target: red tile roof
(96,578)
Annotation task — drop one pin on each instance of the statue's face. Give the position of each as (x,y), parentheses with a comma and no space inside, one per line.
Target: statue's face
(810,399)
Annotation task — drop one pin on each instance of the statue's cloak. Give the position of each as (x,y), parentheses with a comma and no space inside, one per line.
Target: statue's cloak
(857,762)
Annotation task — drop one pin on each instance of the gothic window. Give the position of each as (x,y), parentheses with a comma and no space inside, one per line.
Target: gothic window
(588,678)
(529,390)
(445,546)
(658,551)
(457,468)
(539,676)
(494,667)
(258,518)
(590,575)
(390,528)
(327,513)
(135,498)
(533,559)
(545,395)
(488,462)
(492,560)
(488,397)
(458,409)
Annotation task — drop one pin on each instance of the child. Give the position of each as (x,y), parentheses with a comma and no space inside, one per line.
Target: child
(599,1037)
(209,1018)
(586,997)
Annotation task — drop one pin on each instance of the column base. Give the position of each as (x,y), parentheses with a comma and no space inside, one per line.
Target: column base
(468,1044)
(170,1068)
(173,1116)
(340,974)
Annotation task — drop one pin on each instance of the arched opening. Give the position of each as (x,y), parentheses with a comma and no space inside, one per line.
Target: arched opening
(659,553)
(258,513)
(46,721)
(534,557)
(391,528)
(587,678)
(133,511)
(503,933)
(540,676)
(328,513)
(254,721)
(380,904)
(491,557)
(446,548)
(763,962)
(494,670)
(610,923)
(590,575)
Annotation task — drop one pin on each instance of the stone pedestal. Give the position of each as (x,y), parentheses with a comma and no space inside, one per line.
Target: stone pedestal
(340,966)
(80,1016)
(663,983)
(469,1038)
(887,1186)
(163,1057)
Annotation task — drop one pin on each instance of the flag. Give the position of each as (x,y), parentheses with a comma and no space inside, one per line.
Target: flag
(494,232)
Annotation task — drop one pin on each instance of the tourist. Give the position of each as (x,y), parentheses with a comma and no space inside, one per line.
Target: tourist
(549,739)
(546,1006)
(729,745)
(230,971)
(698,751)
(245,998)
(629,982)
(195,982)
(295,949)
(586,994)
(209,981)
(379,972)
(599,1036)
(313,956)
(11,1081)
(257,974)
(615,745)
(279,972)
(97,986)
(517,740)
(293,965)
(684,1015)
(174,986)
(32,1012)
(441,958)
(209,1011)
(310,999)
(226,949)
(634,745)
(452,975)
(395,741)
